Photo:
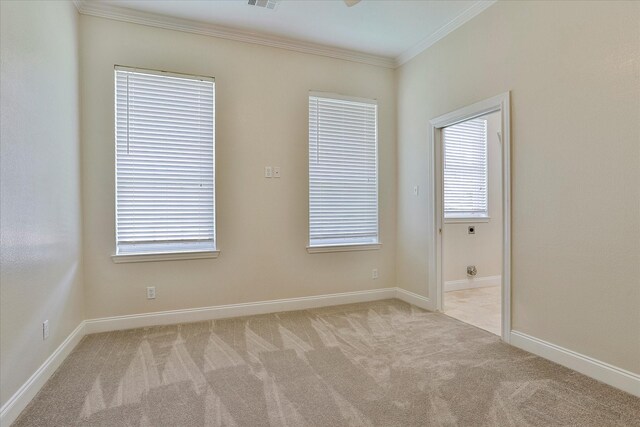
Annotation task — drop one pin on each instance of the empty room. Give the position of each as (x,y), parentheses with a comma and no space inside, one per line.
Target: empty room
(319,213)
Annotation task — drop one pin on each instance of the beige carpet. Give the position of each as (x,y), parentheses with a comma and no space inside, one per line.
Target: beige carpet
(374,364)
(478,307)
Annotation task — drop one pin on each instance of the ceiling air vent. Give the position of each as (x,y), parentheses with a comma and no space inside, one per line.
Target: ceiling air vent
(269,4)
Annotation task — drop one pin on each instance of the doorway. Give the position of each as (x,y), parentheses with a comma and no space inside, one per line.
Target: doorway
(472,221)
(470,260)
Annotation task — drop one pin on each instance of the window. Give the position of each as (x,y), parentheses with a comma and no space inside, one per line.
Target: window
(465,170)
(343,171)
(165,189)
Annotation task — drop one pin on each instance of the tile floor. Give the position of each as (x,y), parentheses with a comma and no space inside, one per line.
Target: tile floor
(479,307)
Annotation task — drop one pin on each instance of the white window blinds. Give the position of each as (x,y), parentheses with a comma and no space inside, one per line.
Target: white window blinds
(164,162)
(465,169)
(343,172)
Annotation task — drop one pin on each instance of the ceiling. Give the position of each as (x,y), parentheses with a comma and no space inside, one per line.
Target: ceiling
(391,29)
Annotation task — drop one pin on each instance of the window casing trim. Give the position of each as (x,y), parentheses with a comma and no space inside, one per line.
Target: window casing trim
(340,97)
(344,248)
(467,219)
(163,256)
(164,73)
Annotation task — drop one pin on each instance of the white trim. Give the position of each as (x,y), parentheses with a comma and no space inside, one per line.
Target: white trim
(164,73)
(472,283)
(616,377)
(467,220)
(477,109)
(21,398)
(169,256)
(105,10)
(435,220)
(344,248)
(596,369)
(331,95)
(415,299)
(443,31)
(233,310)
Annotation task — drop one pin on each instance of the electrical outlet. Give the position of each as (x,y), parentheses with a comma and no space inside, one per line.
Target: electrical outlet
(45,330)
(268,171)
(151,292)
(374,273)
(276,172)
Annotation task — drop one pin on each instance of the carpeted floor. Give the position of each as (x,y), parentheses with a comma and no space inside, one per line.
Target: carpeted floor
(383,363)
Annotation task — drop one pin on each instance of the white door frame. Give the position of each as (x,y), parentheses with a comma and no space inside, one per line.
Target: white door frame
(436,220)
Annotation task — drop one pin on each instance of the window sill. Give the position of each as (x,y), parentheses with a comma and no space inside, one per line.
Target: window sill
(163,256)
(469,220)
(344,248)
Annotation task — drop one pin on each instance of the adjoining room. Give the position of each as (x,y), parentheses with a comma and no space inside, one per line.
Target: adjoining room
(472,233)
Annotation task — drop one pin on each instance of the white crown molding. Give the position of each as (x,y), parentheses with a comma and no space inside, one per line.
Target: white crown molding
(446,29)
(105,10)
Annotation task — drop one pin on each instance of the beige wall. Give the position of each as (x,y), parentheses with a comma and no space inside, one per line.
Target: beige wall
(574,72)
(40,271)
(484,248)
(261,108)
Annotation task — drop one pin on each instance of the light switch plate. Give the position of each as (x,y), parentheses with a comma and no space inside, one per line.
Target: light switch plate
(276,172)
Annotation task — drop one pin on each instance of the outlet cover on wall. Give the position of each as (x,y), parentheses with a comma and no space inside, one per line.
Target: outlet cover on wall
(151,292)
(374,273)
(45,330)
(268,171)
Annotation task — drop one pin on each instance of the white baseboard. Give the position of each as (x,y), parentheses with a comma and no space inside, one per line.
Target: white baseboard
(12,408)
(21,398)
(233,310)
(476,282)
(415,299)
(601,371)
